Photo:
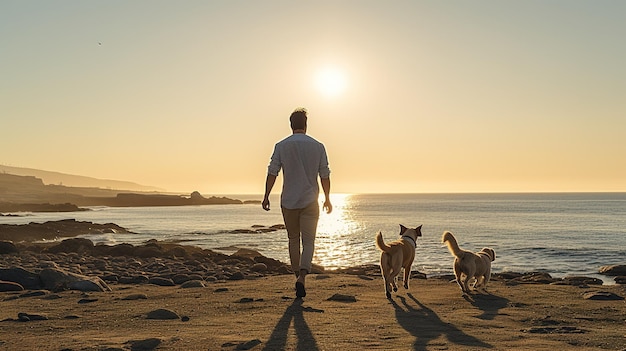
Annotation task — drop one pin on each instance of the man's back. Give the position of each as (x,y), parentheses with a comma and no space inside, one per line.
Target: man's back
(302,159)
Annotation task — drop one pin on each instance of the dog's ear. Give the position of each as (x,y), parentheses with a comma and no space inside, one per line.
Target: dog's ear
(402,229)
(490,252)
(418,230)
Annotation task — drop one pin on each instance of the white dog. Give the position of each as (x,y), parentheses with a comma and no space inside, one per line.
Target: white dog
(468,265)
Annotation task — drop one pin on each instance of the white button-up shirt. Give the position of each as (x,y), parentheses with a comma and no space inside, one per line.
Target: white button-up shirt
(302,159)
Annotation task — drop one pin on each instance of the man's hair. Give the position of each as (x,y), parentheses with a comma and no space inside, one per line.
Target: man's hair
(298,119)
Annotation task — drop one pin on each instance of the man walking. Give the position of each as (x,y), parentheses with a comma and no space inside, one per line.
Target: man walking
(302,160)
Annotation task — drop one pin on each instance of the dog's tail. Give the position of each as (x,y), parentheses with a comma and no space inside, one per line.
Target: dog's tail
(453,246)
(380,243)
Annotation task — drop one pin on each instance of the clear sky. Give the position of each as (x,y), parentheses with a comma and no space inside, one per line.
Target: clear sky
(407,96)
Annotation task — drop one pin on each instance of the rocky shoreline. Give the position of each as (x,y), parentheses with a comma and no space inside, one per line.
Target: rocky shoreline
(78,264)
(167,263)
(76,295)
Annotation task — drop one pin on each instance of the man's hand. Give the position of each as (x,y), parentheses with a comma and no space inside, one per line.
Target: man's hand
(266,204)
(328,207)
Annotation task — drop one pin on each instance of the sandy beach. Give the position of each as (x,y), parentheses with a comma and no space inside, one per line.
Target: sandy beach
(238,303)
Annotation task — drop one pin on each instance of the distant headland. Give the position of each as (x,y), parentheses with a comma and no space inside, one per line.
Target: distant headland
(20,193)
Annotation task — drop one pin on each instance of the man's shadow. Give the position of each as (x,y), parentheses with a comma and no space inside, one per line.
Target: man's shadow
(425,325)
(305,339)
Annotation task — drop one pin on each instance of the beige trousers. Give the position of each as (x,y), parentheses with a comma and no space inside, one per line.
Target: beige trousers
(301,225)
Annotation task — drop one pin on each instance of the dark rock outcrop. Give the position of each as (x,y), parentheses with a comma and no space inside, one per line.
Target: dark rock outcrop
(55,229)
(613,270)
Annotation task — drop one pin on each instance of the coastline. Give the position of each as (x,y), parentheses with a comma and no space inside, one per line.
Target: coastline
(76,295)
(164,296)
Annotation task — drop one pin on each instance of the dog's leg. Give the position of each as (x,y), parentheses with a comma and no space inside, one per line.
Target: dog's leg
(470,276)
(387,286)
(487,277)
(407,276)
(385,272)
(458,274)
(394,275)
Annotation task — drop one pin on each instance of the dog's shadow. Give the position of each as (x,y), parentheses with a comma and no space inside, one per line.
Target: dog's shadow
(305,339)
(489,304)
(425,325)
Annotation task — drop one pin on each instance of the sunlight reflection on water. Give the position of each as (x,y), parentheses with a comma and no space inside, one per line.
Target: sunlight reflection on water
(334,241)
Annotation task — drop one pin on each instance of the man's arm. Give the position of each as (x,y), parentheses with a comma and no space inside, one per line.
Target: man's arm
(269,184)
(328,207)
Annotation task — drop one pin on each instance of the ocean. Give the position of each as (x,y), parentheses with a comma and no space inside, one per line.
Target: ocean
(558,233)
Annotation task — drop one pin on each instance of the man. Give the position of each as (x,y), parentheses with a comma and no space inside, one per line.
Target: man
(302,160)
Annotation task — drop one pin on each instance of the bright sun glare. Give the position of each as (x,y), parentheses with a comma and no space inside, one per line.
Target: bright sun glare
(330,81)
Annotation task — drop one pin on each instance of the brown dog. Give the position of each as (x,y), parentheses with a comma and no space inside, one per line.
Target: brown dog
(468,265)
(396,255)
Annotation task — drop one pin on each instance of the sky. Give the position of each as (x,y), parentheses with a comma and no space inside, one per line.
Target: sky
(406,96)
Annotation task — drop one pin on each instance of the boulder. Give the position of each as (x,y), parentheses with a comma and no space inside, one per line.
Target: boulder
(620,280)
(617,269)
(26,279)
(78,245)
(57,280)
(580,280)
(7,247)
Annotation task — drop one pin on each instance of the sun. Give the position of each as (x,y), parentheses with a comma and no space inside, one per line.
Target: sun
(330,81)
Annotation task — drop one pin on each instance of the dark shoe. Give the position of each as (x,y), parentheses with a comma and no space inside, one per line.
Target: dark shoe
(300,291)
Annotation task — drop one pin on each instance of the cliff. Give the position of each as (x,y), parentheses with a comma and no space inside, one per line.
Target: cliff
(28,193)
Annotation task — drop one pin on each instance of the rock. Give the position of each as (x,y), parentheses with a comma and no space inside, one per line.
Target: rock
(137,279)
(342,298)
(180,278)
(507,275)
(83,301)
(259,267)
(193,284)
(10,286)
(317,269)
(26,317)
(248,345)
(602,296)
(57,280)
(160,281)
(555,330)
(236,276)
(7,247)
(613,270)
(135,297)
(620,279)
(53,229)
(162,313)
(78,245)
(578,281)
(27,279)
(536,278)
(144,345)
(34,293)
(247,253)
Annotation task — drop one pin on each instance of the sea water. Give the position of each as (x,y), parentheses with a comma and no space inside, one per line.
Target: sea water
(562,234)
